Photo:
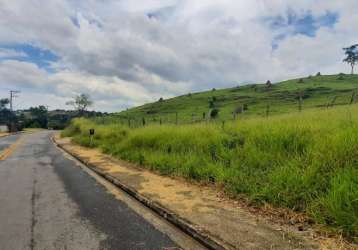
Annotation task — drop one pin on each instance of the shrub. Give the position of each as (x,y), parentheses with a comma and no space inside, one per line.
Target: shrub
(214,113)
(340,76)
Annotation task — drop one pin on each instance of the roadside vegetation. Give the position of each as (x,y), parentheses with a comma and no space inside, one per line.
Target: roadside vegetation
(306,161)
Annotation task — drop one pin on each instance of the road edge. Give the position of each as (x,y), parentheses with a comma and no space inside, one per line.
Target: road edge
(184,225)
(10,134)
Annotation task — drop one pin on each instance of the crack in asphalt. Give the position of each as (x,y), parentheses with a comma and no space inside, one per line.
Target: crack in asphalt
(33,211)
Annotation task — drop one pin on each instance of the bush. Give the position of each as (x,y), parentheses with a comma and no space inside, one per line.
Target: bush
(214,113)
(340,76)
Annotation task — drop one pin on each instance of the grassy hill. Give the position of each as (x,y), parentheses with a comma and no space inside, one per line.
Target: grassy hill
(282,97)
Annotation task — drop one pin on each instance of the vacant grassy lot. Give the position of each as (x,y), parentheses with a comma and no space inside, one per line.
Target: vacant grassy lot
(305,161)
(282,97)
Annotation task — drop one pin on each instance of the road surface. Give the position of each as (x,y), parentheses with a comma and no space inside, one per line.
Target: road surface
(50,201)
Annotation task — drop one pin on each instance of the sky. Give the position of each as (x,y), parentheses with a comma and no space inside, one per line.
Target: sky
(126,53)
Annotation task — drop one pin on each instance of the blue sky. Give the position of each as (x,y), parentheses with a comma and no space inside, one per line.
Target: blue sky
(304,24)
(41,57)
(129,52)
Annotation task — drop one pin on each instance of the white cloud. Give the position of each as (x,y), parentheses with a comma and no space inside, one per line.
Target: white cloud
(108,92)
(120,56)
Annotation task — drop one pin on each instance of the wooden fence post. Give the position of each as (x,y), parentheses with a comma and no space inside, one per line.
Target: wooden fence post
(300,100)
(267,110)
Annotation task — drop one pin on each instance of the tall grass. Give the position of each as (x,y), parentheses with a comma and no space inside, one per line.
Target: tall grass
(304,161)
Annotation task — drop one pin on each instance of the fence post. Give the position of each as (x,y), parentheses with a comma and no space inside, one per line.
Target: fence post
(300,94)
(267,110)
(352,97)
(333,101)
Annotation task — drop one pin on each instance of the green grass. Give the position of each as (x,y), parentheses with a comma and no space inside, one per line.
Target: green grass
(281,97)
(306,161)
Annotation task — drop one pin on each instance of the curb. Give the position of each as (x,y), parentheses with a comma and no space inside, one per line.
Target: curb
(184,225)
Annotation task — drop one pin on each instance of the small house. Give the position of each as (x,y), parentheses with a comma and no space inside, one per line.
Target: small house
(4,128)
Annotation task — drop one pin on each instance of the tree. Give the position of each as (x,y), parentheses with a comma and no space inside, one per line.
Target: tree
(39,117)
(5,114)
(211,104)
(3,103)
(81,103)
(352,56)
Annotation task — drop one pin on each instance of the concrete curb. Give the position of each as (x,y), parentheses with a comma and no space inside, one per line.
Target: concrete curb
(205,239)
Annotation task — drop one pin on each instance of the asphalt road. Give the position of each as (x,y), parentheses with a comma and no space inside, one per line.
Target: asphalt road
(50,201)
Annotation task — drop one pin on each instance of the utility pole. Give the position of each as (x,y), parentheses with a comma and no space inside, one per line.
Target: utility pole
(12,96)
(13,126)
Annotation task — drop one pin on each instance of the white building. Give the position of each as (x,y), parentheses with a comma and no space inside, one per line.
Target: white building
(4,128)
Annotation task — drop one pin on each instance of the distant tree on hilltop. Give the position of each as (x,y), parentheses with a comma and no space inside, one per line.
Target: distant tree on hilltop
(352,56)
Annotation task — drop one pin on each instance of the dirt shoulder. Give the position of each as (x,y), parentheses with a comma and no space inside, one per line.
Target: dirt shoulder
(4,134)
(203,208)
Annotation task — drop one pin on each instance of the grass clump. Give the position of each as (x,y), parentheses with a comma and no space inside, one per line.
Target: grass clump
(305,161)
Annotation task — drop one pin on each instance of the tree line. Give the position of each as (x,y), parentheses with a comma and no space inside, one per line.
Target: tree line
(41,117)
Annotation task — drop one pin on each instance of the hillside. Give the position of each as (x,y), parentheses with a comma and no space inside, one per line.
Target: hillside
(303,161)
(282,97)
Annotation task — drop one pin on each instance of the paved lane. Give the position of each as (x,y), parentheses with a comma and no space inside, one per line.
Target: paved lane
(6,141)
(49,202)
